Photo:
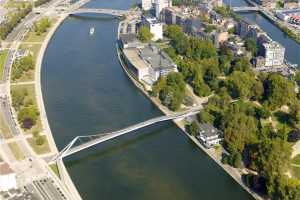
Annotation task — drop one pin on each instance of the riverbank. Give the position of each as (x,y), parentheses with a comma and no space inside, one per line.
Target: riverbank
(63,173)
(277,23)
(233,172)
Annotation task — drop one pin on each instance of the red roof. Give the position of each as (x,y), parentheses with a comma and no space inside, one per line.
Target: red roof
(5,169)
(296,17)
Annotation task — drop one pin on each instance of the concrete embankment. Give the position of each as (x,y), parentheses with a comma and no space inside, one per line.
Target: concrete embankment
(233,172)
(65,178)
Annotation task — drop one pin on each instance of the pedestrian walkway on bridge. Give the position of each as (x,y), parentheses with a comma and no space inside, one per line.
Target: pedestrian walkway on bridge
(92,140)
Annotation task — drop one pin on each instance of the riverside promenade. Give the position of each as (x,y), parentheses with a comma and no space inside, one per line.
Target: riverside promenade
(233,172)
(63,173)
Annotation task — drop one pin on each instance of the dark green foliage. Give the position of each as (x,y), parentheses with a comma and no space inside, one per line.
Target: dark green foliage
(144,34)
(240,85)
(279,91)
(273,157)
(205,117)
(241,64)
(171,90)
(27,116)
(18,97)
(193,129)
(42,25)
(262,112)
(251,46)
(200,88)
(191,47)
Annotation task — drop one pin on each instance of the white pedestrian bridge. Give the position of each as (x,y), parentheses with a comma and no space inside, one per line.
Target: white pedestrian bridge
(77,145)
(100,11)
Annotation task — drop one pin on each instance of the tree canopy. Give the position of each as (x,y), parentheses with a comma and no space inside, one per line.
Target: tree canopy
(144,34)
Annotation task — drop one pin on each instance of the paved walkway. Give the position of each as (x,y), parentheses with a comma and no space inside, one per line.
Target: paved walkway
(23,83)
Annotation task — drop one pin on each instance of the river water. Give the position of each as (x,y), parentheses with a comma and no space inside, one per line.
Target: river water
(86,92)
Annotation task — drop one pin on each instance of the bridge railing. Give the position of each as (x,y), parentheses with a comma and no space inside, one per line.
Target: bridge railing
(102,137)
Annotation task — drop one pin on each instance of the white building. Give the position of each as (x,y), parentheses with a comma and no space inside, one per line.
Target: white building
(148,63)
(7,178)
(209,135)
(160,5)
(155,27)
(273,53)
(147,4)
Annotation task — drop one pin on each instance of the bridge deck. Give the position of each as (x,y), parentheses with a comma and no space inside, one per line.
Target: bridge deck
(99,138)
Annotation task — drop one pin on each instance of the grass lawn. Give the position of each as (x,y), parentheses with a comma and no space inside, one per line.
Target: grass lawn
(26,76)
(54,169)
(39,149)
(3,56)
(14,147)
(4,129)
(30,90)
(33,49)
(33,37)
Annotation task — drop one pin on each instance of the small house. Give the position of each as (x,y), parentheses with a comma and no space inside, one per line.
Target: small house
(209,135)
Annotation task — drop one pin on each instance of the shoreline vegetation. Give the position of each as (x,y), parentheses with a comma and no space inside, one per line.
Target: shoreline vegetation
(26,95)
(255,111)
(23,94)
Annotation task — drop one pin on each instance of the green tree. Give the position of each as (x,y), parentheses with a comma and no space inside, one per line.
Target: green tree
(193,129)
(251,46)
(279,91)
(18,97)
(205,117)
(42,25)
(171,93)
(240,84)
(257,90)
(28,116)
(144,34)
(273,158)
(200,88)
(295,113)
(239,130)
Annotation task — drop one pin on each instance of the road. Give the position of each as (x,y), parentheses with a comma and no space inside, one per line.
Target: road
(41,178)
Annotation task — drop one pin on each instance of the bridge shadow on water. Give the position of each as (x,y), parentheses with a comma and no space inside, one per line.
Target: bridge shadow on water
(121,143)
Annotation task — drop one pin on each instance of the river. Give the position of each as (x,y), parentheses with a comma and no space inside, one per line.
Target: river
(86,92)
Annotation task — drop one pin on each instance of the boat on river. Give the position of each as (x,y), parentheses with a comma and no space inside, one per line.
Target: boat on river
(92,31)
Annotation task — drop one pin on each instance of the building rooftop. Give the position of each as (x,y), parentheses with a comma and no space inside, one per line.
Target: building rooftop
(133,55)
(128,38)
(273,45)
(152,20)
(208,130)
(156,58)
